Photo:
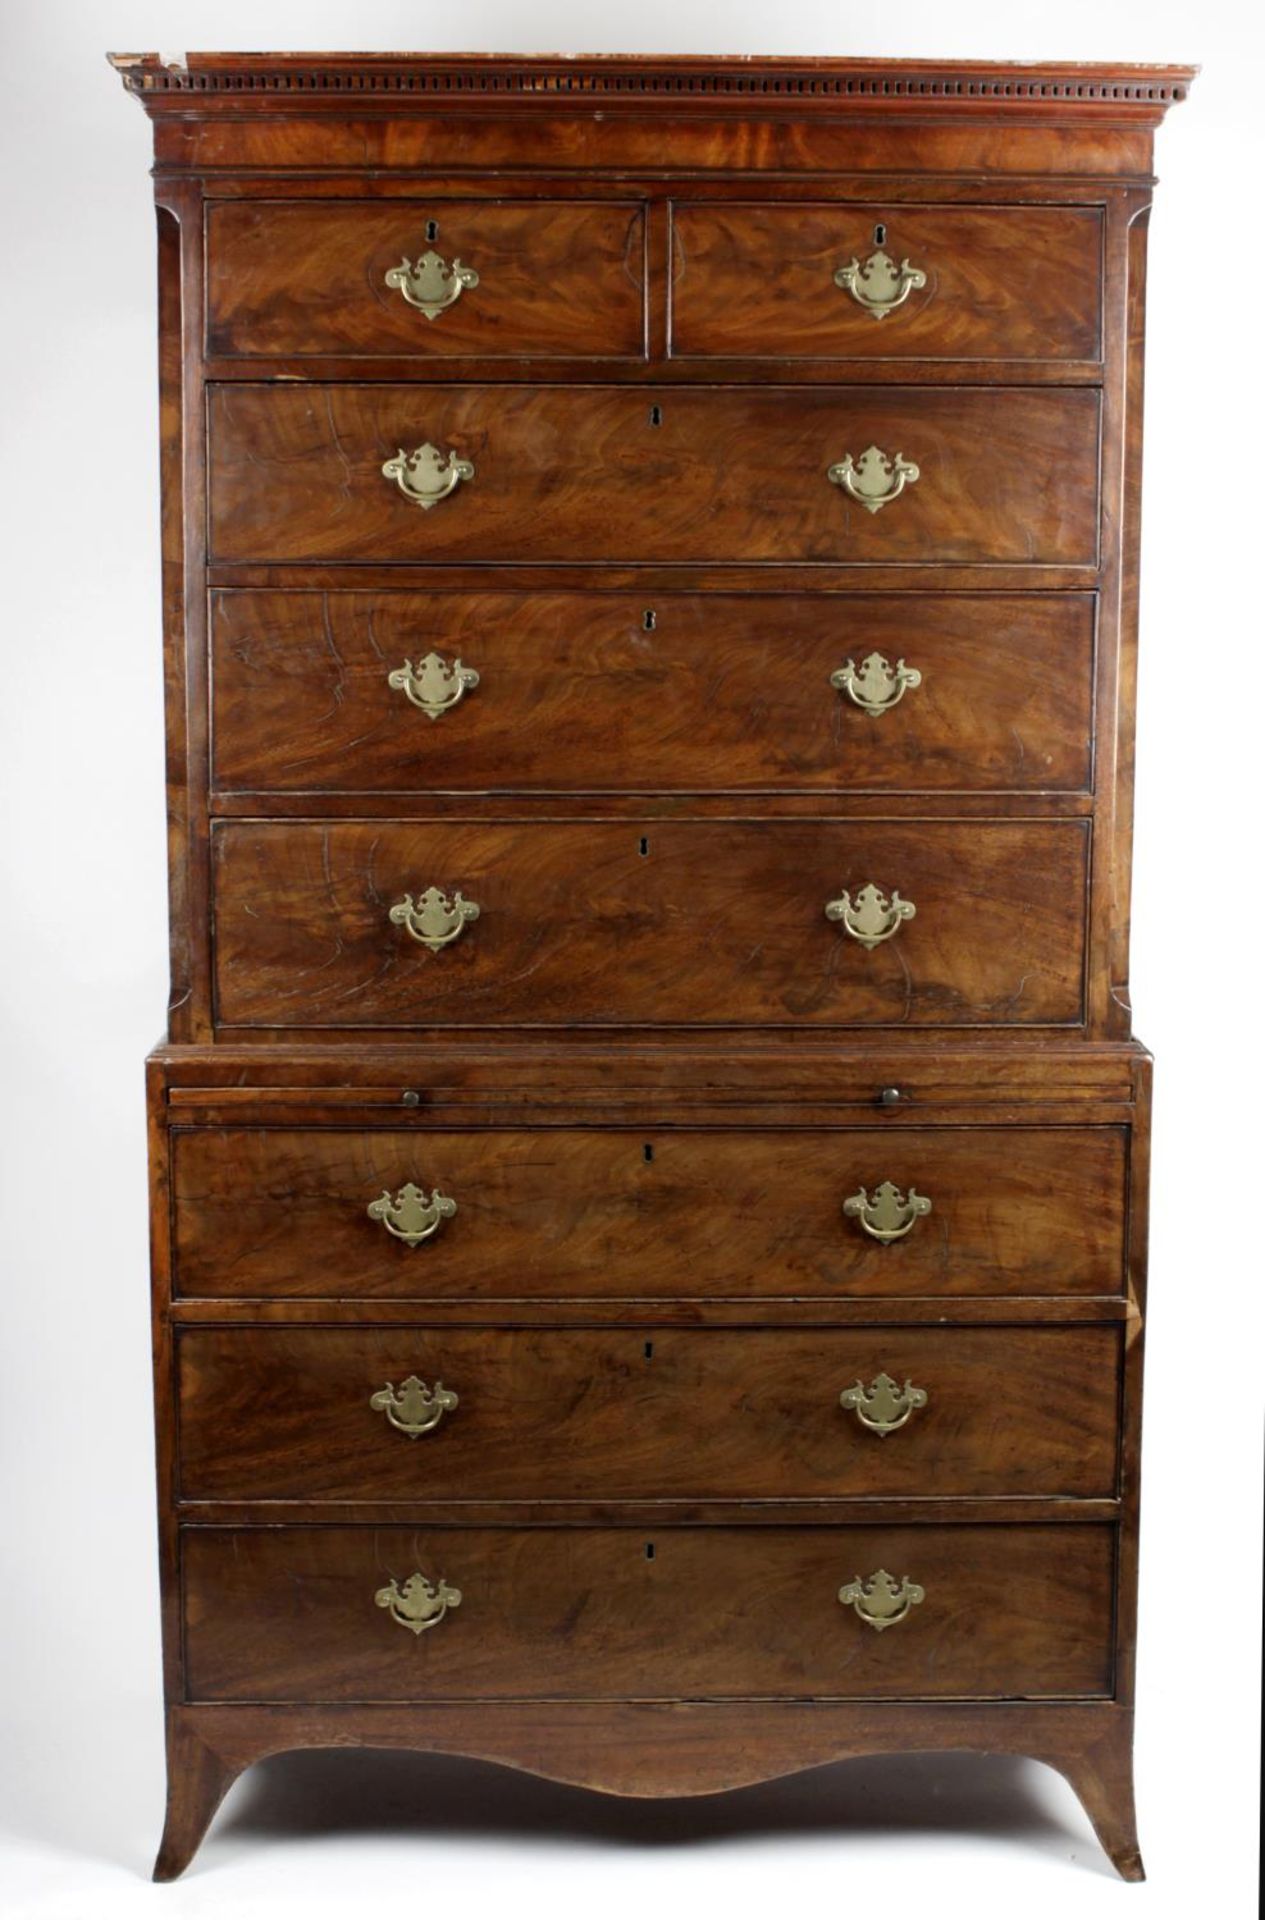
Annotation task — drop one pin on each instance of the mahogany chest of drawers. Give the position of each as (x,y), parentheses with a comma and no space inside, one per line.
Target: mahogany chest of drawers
(649,1156)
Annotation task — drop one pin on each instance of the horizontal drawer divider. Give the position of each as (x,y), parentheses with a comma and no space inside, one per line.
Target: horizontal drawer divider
(629,804)
(349,369)
(479,1704)
(750,1310)
(962,1510)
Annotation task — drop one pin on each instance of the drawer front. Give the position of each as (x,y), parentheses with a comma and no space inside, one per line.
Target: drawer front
(586,474)
(323,1414)
(594,1213)
(552,278)
(649,693)
(1001,283)
(663,923)
(292,1613)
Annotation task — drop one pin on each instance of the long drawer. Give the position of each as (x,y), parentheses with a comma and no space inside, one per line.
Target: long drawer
(598,1213)
(351,692)
(609,474)
(804,282)
(677,923)
(333,1413)
(341,1613)
(536,278)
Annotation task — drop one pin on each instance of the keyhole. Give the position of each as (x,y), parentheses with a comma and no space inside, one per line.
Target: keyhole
(648,619)
(643,847)
(432,230)
(650,1549)
(647,1153)
(656,416)
(880,234)
(649,1349)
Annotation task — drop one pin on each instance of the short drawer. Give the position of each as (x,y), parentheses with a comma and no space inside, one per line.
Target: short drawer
(671,1213)
(669,923)
(609,474)
(794,282)
(404,1613)
(522,279)
(332,1413)
(346,692)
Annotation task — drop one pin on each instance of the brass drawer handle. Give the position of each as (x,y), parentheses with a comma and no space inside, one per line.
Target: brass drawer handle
(871,917)
(430,284)
(872,481)
(418,1605)
(878,284)
(883,1407)
(434,686)
(433,920)
(887,1213)
(876,686)
(881,1601)
(426,476)
(415,1409)
(413,1216)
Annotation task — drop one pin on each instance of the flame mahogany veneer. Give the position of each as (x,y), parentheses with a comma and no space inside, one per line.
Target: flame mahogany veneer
(670,1340)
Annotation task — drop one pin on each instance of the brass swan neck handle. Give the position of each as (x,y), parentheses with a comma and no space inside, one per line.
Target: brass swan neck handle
(433,686)
(877,284)
(429,283)
(426,476)
(420,1603)
(876,479)
(882,1601)
(413,1215)
(869,915)
(883,1407)
(886,1214)
(414,1409)
(875,686)
(433,919)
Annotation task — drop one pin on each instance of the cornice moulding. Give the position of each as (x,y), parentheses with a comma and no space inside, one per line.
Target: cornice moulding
(1048,90)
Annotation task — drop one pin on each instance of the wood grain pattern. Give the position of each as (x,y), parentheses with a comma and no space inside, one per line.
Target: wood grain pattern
(665,1213)
(563,1414)
(1007,474)
(289,1614)
(714,924)
(574,146)
(651,693)
(554,278)
(1001,283)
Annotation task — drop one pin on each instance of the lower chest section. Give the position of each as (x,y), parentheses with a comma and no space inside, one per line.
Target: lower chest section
(653,1380)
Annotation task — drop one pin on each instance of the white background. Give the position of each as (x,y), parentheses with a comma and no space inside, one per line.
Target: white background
(83,990)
